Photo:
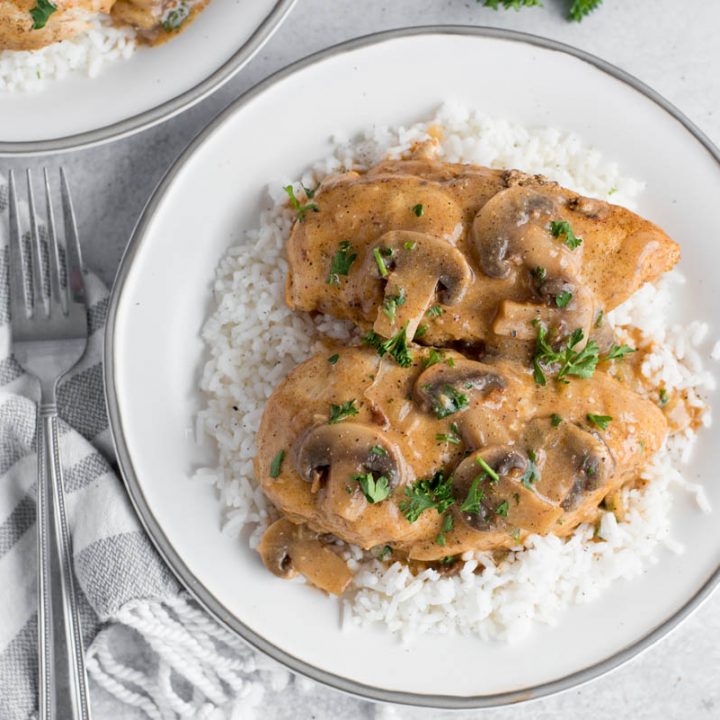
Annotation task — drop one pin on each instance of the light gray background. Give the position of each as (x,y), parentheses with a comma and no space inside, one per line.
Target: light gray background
(673,45)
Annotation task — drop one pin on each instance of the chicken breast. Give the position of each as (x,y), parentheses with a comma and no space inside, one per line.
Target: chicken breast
(156,21)
(70,18)
(467,254)
(354,445)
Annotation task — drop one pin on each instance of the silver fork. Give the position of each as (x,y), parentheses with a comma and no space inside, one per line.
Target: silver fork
(49,336)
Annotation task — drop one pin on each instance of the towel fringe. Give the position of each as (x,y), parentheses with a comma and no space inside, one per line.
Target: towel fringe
(198,669)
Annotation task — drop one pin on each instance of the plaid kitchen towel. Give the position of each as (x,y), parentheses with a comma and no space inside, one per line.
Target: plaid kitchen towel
(148,644)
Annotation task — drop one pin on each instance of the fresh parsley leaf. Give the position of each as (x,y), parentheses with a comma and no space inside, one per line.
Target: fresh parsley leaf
(582,8)
(382,267)
(391,304)
(449,401)
(559,228)
(490,472)
(425,494)
(378,451)
(563,299)
(581,363)
(409,244)
(344,258)
(374,490)
(333,358)
(539,273)
(601,421)
(473,502)
(663,397)
(450,362)
(531,474)
(276,464)
(447,525)
(434,311)
(599,319)
(419,210)
(433,357)
(342,411)
(176,17)
(41,13)
(396,346)
(453,437)
(618,352)
(555,419)
(502,509)
(300,209)
(381,551)
(421,330)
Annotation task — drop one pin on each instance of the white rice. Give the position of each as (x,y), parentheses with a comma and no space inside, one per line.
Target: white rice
(254,341)
(85,54)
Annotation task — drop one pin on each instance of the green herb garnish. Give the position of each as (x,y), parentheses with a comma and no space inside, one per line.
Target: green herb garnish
(300,209)
(433,357)
(559,228)
(447,525)
(539,273)
(409,244)
(663,397)
(581,363)
(342,411)
(601,421)
(425,494)
(396,346)
(618,352)
(382,268)
(599,319)
(581,8)
(453,437)
(563,299)
(276,464)
(502,509)
(473,502)
(391,304)
(419,210)
(41,13)
(421,330)
(344,258)
(434,311)
(374,490)
(449,401)
(531,475)
(483,464)
(333,358)
(555,419)
(378,451)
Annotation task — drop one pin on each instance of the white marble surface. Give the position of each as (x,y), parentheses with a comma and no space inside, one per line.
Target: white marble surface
(671,45)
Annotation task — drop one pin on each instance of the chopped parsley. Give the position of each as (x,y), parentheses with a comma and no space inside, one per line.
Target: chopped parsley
(419,210)
(601,421)
(433,357)
(344,258)
(421,330)
(531,475)
(450,362)
(342,411)
(409,244)
(502,509)
(599,319)
(490,472)
(663,397)
(425,494)
(449,401)
(333,358)
(555,419)
(276,464)
(374,490)
(539,273)
(175,18)
(473,502)
(396,346)
(560,228)
(447,525)
(434,311)
(300,209)
(41,13)
(581,363)
(382,267)
(618,352)
(391,304)
(378,451)
(453,437)
(563,299)
(381,551)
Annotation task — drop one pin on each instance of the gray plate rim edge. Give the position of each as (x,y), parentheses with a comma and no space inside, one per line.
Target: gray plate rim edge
(164,111)
(164,547)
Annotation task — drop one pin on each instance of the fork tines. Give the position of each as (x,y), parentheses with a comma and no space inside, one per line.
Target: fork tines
(46,276)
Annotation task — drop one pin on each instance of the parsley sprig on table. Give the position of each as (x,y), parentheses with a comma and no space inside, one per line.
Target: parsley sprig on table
(576,12)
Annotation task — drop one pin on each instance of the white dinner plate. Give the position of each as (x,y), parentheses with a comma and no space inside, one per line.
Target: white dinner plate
(163,294)
(153,85)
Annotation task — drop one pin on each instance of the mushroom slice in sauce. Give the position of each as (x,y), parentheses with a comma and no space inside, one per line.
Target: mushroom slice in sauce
(445,390)
(420,269)
(574,462)
(511,501)
(331,457)
(287,549)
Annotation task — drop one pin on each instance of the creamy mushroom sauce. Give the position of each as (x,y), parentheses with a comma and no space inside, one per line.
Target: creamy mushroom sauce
(463,258)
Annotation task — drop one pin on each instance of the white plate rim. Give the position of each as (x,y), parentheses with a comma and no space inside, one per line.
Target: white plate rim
(166,110)
(196,588)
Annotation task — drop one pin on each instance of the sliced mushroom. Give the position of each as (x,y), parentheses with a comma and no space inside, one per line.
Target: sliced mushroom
(574,461)
(445,390)
(287,549)
(509,501)
(420,270)
(332,456)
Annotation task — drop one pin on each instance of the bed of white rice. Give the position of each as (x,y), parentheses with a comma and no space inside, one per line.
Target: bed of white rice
(253,341)
(85,54)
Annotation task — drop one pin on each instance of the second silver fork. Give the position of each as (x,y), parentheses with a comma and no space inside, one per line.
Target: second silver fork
(49,336)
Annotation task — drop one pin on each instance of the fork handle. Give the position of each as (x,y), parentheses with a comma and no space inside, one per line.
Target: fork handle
(62,678)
